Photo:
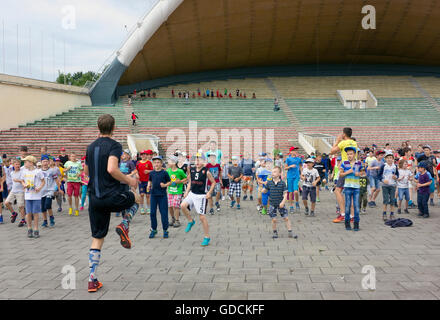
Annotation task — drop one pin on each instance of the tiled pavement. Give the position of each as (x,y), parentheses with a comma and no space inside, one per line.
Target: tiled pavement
(242,261)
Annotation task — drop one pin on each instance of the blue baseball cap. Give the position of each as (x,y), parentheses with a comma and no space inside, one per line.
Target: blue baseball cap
(44,157)
(350,148)
(422,165)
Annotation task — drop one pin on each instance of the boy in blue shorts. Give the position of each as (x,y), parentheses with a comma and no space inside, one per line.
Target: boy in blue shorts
(263,175)
(293,164)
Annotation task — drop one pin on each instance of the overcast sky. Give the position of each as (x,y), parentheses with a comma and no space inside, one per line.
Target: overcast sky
(99,30)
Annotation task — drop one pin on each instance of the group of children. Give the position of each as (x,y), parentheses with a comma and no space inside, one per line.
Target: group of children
(32,185)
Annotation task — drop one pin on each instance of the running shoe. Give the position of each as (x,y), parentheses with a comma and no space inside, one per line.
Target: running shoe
(384,217)
(1,219)
(76,213)
(60,209)
(291,210)
(264,211)
(364,211)
(81,209)
(206,241)
(36,234)
(190,225)
(153,234)
(70,211)
(218,206)
(392,216)
(406,211)
(165,234)
(172,222)
(312,213)
(245,197)
(52,221)
(14,217)
(306,211)
(275,235)
(223,198)
(298,207)
(431,202)
(176,224)
(317,200)
(148,210)
(259,207)
(22,223)
(356,226)
(238,207)
(142,211)
(30,233)
(94,286)
(211,211)
(232,203)
(399,211)
(122,231)
(251,198)
(292,235)
(44,224)
(340,218)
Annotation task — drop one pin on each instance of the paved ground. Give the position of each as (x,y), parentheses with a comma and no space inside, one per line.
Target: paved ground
(242,262)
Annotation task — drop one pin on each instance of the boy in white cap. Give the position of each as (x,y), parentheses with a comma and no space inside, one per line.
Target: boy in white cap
(311,177)
(388,175)
(33,183)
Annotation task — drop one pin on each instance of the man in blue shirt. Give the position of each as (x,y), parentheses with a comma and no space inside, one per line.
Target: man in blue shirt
(293,166)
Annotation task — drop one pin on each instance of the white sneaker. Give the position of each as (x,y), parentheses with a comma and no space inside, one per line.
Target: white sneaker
(223,198)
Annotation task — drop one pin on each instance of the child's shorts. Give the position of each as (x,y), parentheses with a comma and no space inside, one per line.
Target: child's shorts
(273,211)
(388,193)
(46,203)
(235,187)
(225,183)
(16,196)
(33,206)
(217,189)
(292,184)
(403,192)
(73,188)
(174,200)
(143,187)
(307,191)
(265,198)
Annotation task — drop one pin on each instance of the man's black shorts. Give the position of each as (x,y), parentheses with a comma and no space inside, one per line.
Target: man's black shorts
(100,211)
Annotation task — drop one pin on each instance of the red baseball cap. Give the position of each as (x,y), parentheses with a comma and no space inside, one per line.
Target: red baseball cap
(380,152)
(293,148)
(83,158)
(146,152)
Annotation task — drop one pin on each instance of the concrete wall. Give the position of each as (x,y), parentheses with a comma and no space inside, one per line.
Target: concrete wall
(25,100)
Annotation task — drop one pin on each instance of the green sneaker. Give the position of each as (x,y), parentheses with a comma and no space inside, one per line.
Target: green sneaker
(206,242)
(190,225)
(264,211)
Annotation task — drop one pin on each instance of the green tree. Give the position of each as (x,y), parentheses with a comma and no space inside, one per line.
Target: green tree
(77,79)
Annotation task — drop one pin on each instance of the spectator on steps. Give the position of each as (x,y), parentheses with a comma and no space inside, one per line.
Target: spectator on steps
(134,117)
(275,105)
